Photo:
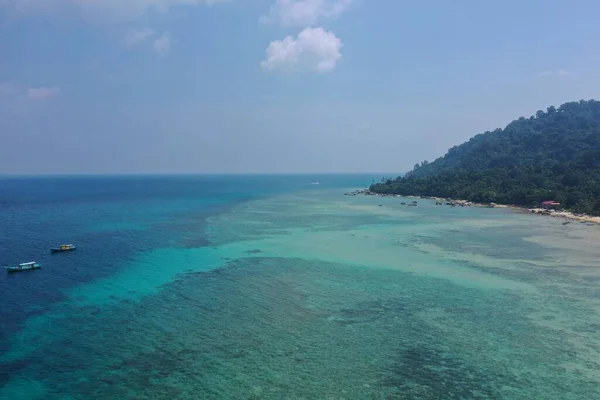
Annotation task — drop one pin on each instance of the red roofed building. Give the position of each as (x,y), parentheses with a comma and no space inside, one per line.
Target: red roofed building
(550,205)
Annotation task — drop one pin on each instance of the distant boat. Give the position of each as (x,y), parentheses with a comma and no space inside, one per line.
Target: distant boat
(63,247)
(314,183)
(23,267)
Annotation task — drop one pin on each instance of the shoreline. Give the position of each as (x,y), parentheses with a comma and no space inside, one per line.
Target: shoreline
(566,215)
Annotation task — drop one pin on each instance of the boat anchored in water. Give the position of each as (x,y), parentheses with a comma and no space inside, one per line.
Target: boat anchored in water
(63,247)
(23,267)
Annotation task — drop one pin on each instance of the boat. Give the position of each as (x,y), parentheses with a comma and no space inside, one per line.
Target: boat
(63,247)
(23,267)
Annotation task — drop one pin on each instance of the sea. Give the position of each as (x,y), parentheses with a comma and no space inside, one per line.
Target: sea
(281,287)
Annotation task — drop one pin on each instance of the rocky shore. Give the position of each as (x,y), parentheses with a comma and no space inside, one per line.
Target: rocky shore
(438,200)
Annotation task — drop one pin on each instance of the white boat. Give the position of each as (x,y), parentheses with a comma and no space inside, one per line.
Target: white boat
(23,267)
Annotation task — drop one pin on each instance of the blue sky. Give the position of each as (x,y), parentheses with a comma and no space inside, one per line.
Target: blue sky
(274,86)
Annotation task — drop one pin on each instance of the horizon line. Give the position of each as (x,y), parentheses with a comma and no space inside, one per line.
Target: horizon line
(175,174)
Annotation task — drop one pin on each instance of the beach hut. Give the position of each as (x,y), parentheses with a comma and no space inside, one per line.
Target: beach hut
(550,205)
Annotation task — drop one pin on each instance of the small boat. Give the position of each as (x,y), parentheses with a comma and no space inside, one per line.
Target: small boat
(63,247)
(23,267)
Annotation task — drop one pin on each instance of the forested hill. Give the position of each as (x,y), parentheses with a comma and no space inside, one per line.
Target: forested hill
(554,155)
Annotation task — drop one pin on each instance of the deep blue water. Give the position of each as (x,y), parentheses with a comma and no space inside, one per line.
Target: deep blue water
(111,220)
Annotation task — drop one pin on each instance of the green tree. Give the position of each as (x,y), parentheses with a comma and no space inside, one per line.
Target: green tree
(552,156)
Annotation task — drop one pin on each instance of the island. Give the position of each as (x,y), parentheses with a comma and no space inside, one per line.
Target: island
(548,161)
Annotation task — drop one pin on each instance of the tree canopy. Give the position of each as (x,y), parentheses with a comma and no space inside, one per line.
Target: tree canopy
(554,155)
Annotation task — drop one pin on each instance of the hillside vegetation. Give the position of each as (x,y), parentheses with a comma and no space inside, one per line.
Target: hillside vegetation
(554,155)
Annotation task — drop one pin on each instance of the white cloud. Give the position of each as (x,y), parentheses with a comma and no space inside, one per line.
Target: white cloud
(137,36)
(42,93)
(304,12)
(162,45)
(315,49)
(558,72)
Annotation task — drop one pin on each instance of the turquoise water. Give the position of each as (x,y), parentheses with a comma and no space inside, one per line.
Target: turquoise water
(272,288)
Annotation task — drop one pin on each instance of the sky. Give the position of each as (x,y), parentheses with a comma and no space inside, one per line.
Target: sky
(277,86)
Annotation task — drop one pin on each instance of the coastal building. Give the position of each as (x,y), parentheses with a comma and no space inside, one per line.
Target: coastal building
(550,205)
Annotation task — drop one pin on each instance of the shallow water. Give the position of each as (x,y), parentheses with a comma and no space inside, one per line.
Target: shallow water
(303,293)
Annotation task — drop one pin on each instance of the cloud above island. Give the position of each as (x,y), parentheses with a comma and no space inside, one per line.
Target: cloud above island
(313,50)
